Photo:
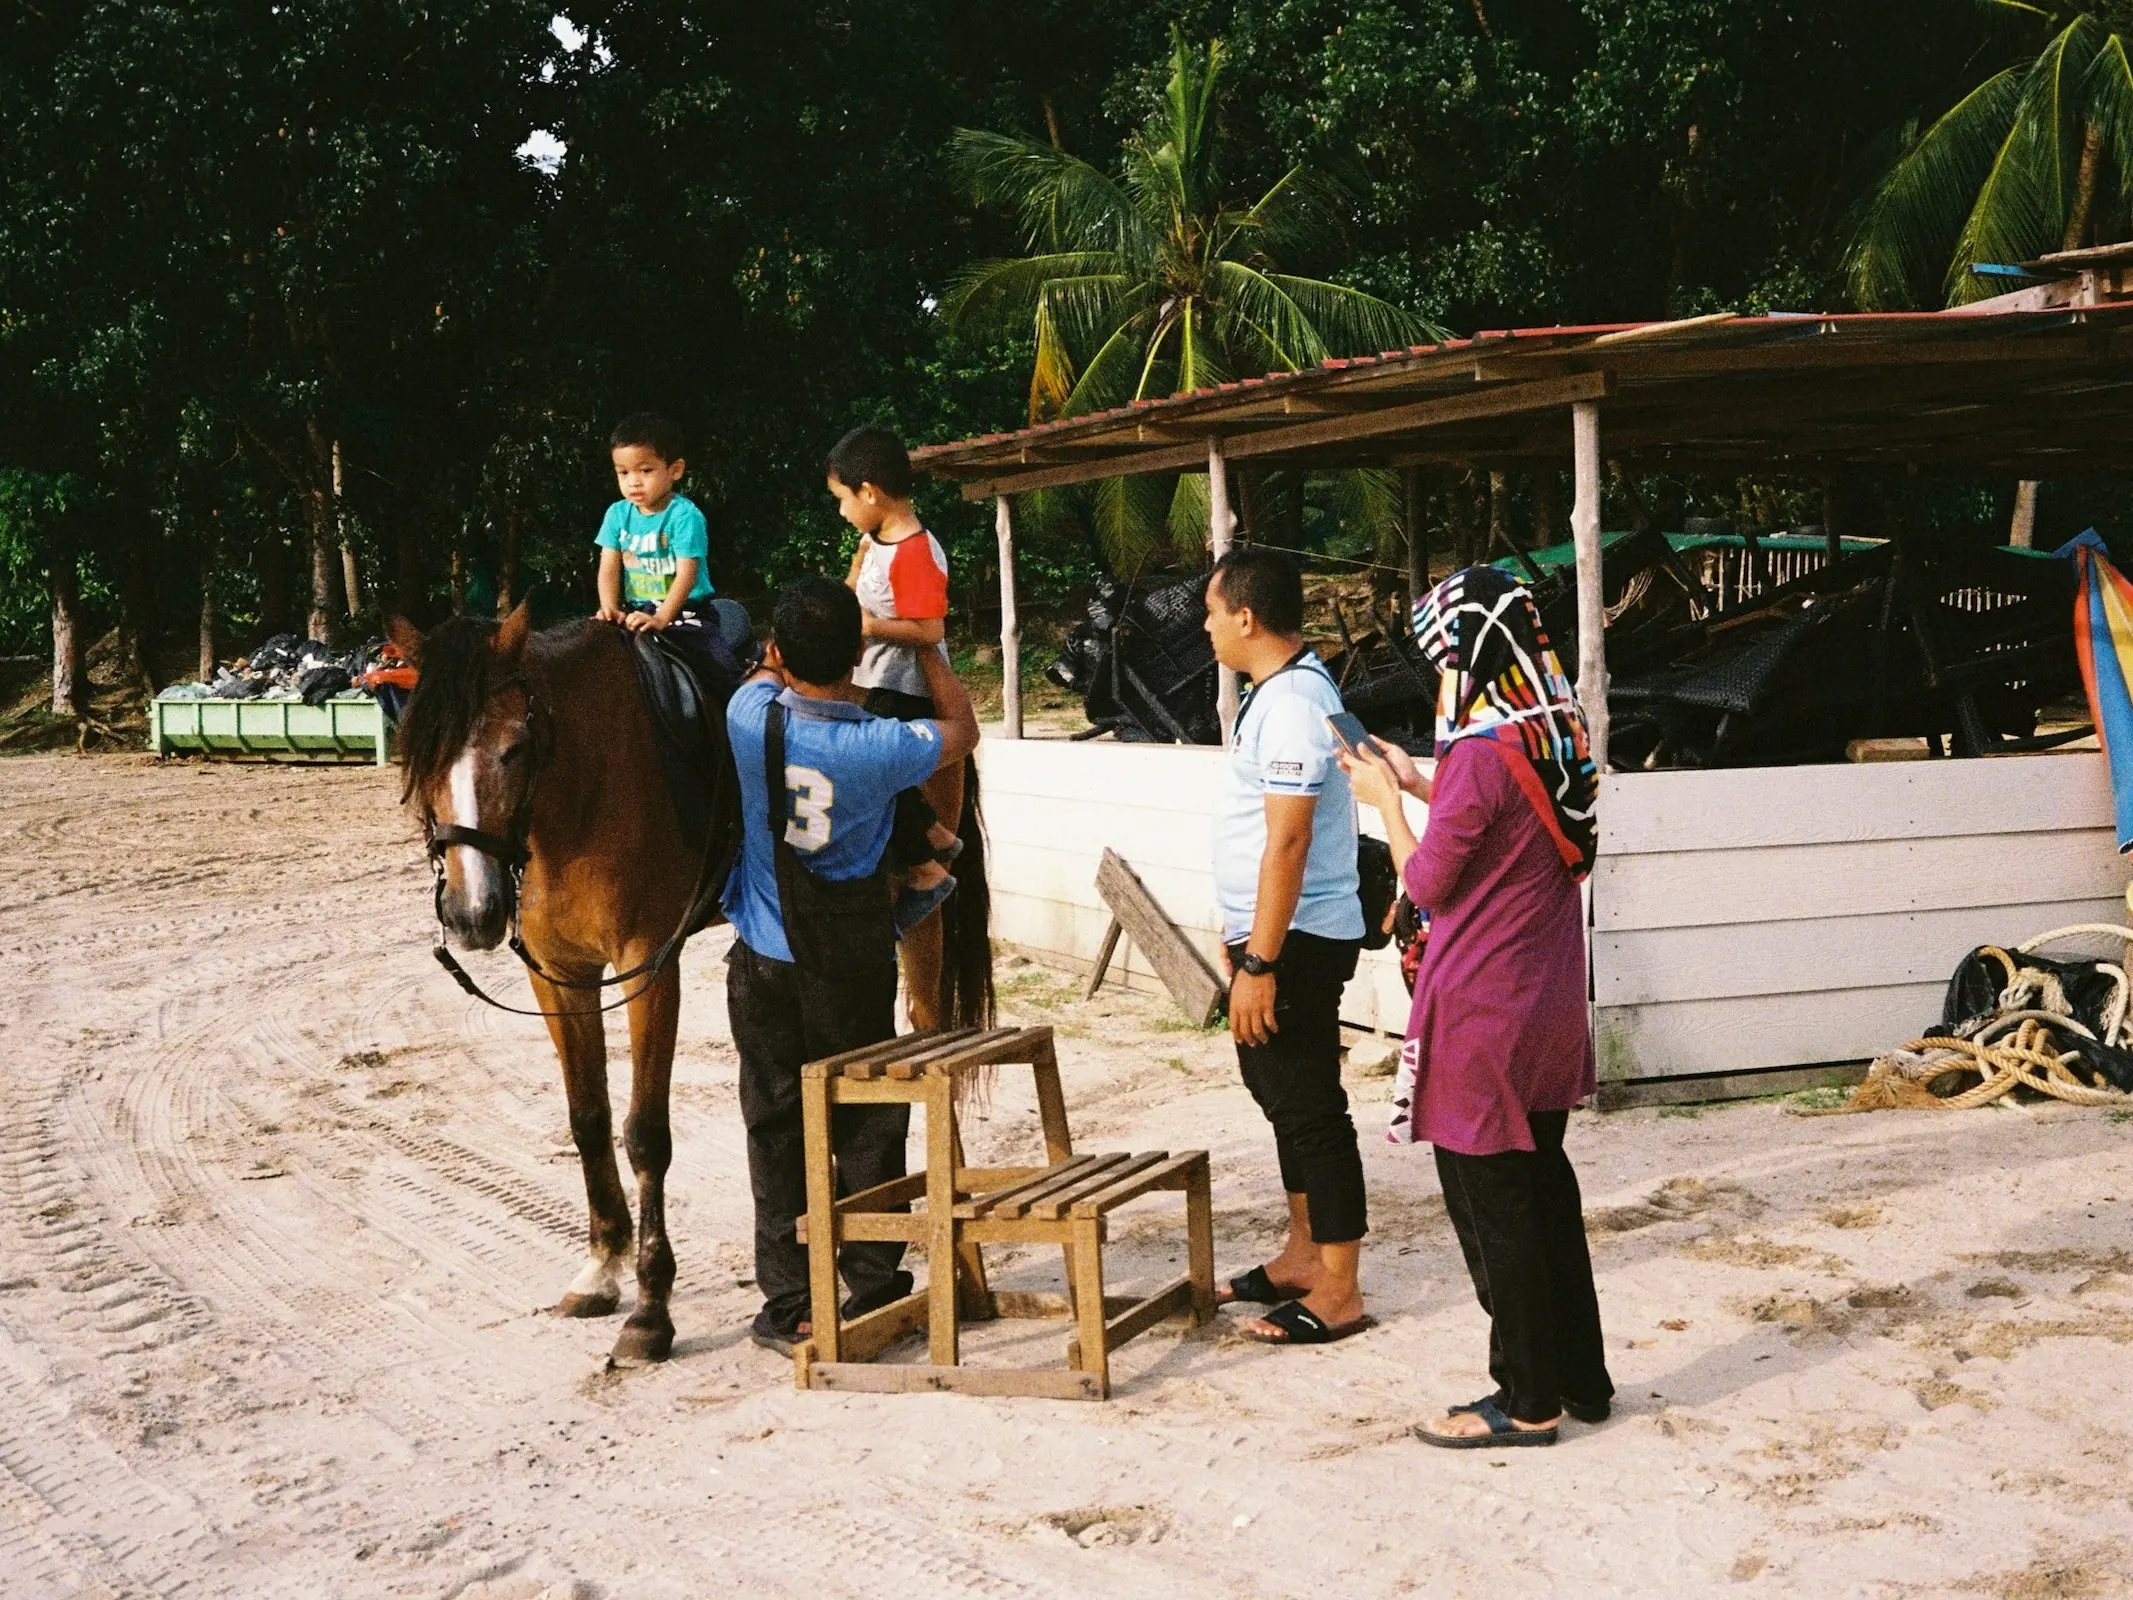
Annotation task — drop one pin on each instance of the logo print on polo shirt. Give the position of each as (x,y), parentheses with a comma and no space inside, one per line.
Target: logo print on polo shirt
(1284,769)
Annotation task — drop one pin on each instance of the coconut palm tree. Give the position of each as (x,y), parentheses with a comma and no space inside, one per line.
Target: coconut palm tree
(2038,157)
(1153,280)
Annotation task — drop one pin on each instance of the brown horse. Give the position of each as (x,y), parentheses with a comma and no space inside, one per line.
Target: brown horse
(531,761)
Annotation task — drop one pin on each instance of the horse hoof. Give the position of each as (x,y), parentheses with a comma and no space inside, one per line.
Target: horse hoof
(644,1338)
(588,1305)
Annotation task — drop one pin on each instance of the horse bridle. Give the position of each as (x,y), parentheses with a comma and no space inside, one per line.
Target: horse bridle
(512,851)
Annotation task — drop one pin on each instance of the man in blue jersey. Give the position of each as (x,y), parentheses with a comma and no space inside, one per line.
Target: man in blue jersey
(812,971)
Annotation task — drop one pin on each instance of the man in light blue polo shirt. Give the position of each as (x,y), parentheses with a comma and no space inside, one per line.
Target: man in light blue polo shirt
(1292,926)
(812,971)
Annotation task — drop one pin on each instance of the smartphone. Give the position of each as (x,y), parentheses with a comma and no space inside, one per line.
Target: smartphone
(1349,730)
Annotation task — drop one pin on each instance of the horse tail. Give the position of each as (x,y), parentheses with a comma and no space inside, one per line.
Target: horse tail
(966,991)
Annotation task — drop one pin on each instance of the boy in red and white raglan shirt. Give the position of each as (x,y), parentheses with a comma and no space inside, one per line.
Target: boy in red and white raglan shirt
(900,574)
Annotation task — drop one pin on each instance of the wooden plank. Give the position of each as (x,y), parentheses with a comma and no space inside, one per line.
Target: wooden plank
(1103,959)
(896,1192)
(1169,1174)
(1016,1230)
(818,1228)
(1466,405)
(983,1204)
(976,1180)
(867,1336)
(1727,1086)
(1185,972)
(979,1047)
(1060,1201)
(872,1378)
(1665,812)
(1019,1204)
(1713,888)
(1174,1299)
(881,1053)
(902,1227)
(943,1329)
(1782,1030)
(1087,1256)
(1650,966)
(1200,1244)
(875,1092)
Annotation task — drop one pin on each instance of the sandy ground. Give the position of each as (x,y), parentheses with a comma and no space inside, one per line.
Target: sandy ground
(277,1206)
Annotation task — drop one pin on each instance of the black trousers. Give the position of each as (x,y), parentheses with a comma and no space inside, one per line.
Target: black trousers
(784,1016)
(1521,1224)
(1296,1078)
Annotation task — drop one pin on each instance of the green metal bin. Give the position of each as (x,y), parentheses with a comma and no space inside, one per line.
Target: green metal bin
(272,730)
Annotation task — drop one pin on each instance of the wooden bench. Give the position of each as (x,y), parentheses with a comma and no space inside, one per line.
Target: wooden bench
(1065,1201)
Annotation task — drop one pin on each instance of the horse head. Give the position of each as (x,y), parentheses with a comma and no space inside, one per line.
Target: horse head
(471,740)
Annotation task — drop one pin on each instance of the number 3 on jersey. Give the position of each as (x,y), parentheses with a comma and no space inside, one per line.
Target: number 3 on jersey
(812,795)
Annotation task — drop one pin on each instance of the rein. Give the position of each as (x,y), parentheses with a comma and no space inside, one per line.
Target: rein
(512,851)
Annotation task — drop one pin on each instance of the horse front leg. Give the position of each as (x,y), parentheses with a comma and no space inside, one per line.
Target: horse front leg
(581,1045)
(655,1011)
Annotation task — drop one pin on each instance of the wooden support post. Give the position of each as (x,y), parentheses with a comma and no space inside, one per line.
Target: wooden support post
(2022,532)
(941,1309)
(1218,540)
(822,1230)
(1103,955)
(1003,523)
(1592,596)
(1417,536)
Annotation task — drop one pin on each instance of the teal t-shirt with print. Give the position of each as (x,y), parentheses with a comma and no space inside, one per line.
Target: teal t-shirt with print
(652,542)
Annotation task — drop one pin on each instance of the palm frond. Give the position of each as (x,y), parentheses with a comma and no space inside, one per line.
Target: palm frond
(1369,498)
(2022,205)
(1186,522)
(1062,202)
(993,296)
(1304,211)
(1269,317)
(1131,518)
(1352,323)
(1051,376)
(2108,95)
(1920,209)
(1107,380)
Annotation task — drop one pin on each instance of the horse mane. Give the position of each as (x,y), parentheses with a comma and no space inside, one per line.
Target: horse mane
(457,674)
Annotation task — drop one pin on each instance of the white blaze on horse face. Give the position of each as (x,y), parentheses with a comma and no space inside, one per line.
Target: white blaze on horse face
(474,866)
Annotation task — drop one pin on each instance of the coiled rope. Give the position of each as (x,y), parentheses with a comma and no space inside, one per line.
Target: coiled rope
(2015,1049)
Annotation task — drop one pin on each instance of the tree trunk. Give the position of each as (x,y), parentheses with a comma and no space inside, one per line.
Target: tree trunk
(207,600)
(274,599)
(2077,219)
(137,610)
(1051,123)
(70,676)
(514,530)
(1499,514)
(350,592)
(320,624)
(459,580)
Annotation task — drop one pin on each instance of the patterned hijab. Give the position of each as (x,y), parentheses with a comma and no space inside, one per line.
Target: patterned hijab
(1499,679)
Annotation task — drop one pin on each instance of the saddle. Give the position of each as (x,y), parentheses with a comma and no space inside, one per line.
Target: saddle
(685,688)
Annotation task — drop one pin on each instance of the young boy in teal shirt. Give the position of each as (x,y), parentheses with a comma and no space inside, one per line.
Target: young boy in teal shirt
(654,545)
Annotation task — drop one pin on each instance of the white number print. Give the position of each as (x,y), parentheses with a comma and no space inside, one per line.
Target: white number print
(812,794)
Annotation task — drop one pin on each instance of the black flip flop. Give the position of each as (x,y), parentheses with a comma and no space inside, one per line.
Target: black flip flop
(1299,1324)
(1503,1434)
(1255,1288)
(1590,1412)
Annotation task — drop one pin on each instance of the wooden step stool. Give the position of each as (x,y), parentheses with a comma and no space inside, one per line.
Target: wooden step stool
(1064,1201)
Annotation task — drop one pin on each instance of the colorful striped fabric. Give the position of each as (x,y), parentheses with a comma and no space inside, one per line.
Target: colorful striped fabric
(2103,640)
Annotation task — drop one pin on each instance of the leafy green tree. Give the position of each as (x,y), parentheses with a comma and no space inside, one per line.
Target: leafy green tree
(2037,158)
(1155,280)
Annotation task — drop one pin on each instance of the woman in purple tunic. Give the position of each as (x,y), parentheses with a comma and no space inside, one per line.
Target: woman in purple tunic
(1499,1046)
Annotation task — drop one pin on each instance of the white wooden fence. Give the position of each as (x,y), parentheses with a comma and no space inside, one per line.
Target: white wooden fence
(1765,917)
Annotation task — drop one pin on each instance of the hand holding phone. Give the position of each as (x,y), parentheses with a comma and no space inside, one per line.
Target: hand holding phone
(1353,737)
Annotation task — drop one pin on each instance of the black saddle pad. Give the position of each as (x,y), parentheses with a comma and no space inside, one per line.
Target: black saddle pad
(685,690)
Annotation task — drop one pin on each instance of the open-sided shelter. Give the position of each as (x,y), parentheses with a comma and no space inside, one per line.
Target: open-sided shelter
(1745,919)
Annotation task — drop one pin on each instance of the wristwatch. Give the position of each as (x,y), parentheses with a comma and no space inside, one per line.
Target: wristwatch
(1258,966)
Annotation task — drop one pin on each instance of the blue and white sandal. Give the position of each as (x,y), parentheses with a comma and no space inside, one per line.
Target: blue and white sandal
(1503,1432)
